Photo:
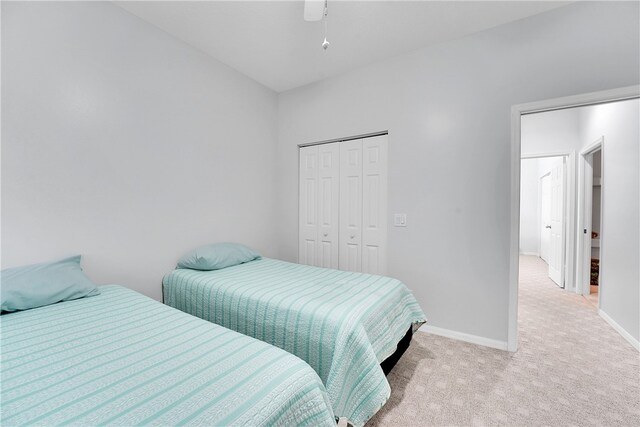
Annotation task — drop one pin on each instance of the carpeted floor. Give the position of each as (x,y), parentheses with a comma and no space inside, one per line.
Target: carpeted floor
(571,369)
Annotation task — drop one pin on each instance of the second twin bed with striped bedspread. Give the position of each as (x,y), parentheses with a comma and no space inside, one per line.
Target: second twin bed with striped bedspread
(343,324)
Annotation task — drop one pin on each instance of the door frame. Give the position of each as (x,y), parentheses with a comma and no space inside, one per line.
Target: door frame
(569,209)
(592,98)
(585,217)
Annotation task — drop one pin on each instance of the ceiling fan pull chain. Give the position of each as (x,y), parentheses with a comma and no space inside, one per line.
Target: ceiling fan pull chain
(325,43)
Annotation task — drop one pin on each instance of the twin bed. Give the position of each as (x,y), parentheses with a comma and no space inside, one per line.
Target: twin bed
(210,356)
(120,358)
(343,324)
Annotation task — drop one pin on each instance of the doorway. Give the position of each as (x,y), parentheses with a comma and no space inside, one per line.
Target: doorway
(543,213)
(591,182)
(576,246)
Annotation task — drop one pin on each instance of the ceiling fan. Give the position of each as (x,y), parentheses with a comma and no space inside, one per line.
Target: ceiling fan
(316,10)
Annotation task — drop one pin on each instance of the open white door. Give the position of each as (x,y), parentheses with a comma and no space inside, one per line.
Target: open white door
(545,217)
(556,243)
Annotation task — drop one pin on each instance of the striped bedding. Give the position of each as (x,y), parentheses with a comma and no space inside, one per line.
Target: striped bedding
(343,324)
(120,358)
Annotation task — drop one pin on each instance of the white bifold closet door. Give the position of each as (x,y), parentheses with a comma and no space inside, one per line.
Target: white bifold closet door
(308,210)
(374,205)
(329,197)
(343,205)
(351,205)
(319,198)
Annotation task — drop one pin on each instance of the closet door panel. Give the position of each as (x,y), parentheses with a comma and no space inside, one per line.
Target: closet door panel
(351,205)
(374,205)
(353,260)
(308,208)
(371,259)
(329,202)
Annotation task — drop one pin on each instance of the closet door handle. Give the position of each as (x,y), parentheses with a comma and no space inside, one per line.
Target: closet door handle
(547,226)
(325,234)
(353,236)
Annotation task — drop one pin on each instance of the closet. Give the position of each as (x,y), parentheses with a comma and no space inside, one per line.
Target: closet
(343,205)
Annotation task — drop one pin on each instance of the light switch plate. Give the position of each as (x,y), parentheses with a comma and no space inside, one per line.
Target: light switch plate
(399,220)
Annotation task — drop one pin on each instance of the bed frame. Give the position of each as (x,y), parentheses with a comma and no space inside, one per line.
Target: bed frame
(388,363)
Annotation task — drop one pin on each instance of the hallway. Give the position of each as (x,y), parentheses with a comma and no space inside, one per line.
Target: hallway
(571,369)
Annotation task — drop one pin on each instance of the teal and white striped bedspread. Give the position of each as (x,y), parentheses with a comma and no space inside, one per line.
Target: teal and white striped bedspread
(120,358)
(343,324)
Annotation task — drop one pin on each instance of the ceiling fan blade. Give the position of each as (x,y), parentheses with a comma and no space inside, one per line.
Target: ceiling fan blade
(313,10)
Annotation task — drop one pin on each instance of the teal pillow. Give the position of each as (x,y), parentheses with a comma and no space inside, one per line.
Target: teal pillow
(217,256)
(38,285)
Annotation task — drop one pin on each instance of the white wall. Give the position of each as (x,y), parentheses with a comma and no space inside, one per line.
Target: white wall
(619,123)
(125,145)
(550,132)
(447,109)
(529,207)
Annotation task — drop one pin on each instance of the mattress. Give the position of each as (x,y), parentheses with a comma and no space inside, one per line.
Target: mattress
(342,323)
(120,358)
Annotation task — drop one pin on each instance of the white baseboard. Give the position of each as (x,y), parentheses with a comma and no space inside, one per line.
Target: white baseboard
(473,339)
(619,329)
(530,253)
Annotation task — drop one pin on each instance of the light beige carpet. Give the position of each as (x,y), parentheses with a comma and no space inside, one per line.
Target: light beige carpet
(571,369)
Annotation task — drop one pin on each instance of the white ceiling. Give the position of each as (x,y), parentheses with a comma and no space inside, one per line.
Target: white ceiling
(270,42)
